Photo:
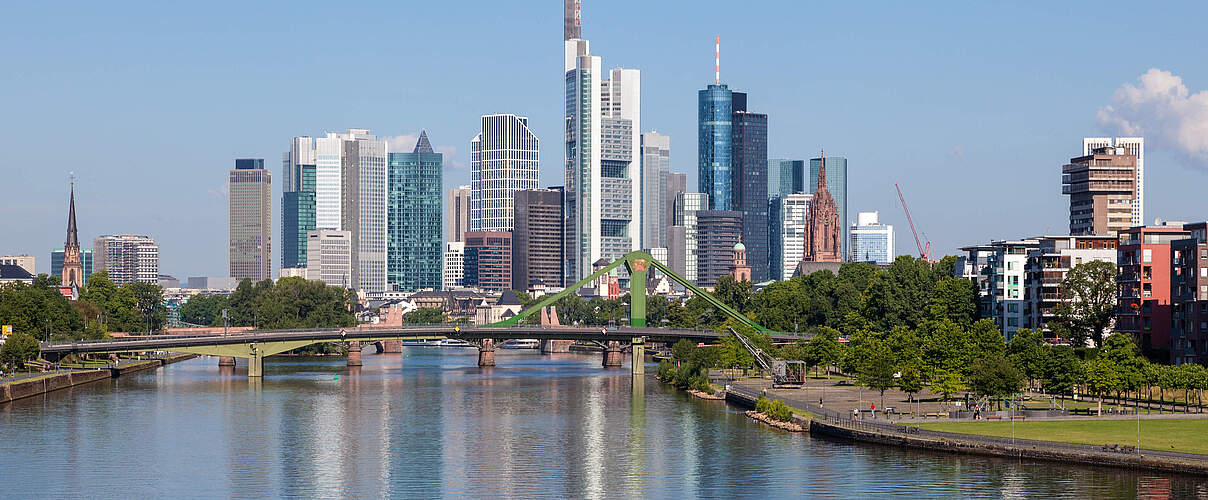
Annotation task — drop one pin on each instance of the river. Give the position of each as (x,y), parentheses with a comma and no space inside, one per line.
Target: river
(430,423)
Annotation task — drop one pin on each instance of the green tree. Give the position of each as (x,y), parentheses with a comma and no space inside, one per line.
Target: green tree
(946,383)
(912,380)
(1027,353)
(876,369)
(953,299)
(149,305)
(203,310)
(19,348)
(824,350)
(424,316)
(1122,351)
(1090,289)
(988,342)
(1063,371)
(947,346)
(995,377)
(735,294)
(1102,376)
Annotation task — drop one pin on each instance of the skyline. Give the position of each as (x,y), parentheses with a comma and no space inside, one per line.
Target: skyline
(244,79)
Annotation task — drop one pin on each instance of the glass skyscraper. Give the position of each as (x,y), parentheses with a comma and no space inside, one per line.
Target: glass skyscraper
(715,133)
(836,183)
(750,182)
(785,177)
(413,218)
(297,217)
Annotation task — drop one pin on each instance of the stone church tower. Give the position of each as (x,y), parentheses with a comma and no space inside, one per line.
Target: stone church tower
(822,227)
(73,267)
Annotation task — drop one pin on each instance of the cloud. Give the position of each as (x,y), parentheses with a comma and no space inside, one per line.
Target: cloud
(1161,109)
(406,143)
(221,191)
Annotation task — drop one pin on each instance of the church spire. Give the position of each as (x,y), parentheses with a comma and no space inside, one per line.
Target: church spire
(822,170)
(72,239)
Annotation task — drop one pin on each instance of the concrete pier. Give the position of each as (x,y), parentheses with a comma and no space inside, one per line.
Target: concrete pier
(553,346)
(612,354)
(354,353)
(486,353)
(226,361)
(638,364)
(390,346)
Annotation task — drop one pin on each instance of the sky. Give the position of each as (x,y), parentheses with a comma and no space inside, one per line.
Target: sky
(972,107)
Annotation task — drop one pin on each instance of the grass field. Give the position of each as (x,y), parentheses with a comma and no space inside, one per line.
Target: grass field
(1189,436)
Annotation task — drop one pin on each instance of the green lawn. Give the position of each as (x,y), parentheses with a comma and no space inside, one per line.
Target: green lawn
(1189,436)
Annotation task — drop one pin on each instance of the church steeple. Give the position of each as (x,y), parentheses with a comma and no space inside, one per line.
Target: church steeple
(822,170)
(73,267)
(72,239)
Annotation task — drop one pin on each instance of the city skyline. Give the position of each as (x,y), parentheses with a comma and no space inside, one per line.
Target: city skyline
(126,181)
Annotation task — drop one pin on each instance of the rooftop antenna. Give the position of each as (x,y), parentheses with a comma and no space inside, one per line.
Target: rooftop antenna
(717,61)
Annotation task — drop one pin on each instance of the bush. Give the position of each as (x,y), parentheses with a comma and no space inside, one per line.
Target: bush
(762,404)
(666,371)
(19,348)
(779,411)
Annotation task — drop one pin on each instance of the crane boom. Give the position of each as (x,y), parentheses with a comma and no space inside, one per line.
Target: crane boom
(924,252)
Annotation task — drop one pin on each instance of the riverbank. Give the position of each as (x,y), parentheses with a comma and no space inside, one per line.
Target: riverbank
(27,387)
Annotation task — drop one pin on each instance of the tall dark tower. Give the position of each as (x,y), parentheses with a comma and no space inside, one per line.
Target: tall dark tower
(73,268)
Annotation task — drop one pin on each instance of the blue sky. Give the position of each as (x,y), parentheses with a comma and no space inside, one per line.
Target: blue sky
(971,107)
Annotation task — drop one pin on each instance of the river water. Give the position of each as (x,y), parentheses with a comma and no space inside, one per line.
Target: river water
(430,423)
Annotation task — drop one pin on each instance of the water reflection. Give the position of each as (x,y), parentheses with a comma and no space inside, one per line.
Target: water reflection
(430,423)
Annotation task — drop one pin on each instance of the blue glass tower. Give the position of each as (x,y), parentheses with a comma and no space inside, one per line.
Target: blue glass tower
(836,183)
(714,143)
(749,192)
(413,217)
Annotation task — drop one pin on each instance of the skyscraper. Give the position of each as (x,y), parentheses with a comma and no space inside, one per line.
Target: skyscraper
(749,192)
(127,258)
(656,167)
(718,231)
(454,265)
(786,177)
(488,260)
(676,183)
(297,201)
(823,229)
(836,187)
(603,187)
(537,246)
(1136,147)
(329,257)
(687,205)
(715,133)
(413,211)
(457,221)
(73,265)
(787,217)
(503,160)
(250,223)
(871,241)
(1102,188)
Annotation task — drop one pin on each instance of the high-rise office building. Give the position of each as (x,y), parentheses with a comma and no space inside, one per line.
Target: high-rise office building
(127,258)
(718,231)
(687,205)
(871,241)
(749,192)
(537,246)
(1136,147)
(824,239)
(329,257)
(250,223)
(488,260)
(786,177)
(457,220)
(603,185)
(715,132)
(676,183)
(453,276)
(413,212)
(786,233)
(503,160)
(1102,188)
(656,169)
(297,201)
(56,263)
(836,186)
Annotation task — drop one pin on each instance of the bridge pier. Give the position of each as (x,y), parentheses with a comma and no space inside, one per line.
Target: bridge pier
(551,346)
(226,361)
(354,353)
(255,364)
(638,364)
(391,346)
(486,352)
(612,354)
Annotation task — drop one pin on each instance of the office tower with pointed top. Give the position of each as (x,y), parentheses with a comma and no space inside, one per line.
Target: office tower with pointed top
(413,218)
(73,266)
(603,149)
(504,159)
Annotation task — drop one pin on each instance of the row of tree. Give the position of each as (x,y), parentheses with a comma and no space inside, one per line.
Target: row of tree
(41,311)
(287,303)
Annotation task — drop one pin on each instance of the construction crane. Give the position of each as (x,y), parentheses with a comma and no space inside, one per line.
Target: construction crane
(924,251)
(784,373)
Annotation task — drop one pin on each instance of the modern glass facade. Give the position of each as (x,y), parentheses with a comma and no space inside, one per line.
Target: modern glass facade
(686,207)
(56,262)
(836,184)
(715,133)
(413,215)
(503,160)
(297,218)
(750,189)
(785,177)
(871,241)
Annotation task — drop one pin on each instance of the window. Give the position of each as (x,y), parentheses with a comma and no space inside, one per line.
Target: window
(1012,307)
(1204,272)
(1012,322)
(1147,255)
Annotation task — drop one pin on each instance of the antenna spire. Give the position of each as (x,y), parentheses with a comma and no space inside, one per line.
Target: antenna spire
(717,61)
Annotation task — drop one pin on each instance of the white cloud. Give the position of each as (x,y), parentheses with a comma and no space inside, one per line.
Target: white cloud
(1161,109)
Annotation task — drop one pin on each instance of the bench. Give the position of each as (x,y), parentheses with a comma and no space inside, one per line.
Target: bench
(1019,417)
(993,417)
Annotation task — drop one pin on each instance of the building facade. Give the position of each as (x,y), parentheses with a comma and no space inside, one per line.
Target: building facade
(1102,188)
(413,218)
(297,201)
(871,241)
(457,220)
(749,192)
(454,272)
(1143,301)
(676,183)
(127,258)
(487,264)
(823,229)
(656,167)
(503,159)
(786,177)
(715,135)
(684,262)
(786,233)
(1189,296)
(718,231)
(56,262)
(836,186)
(250,221)
(1046,268)
(329,257)
(1136,147)
(999,270)
(26,262)
(537,246)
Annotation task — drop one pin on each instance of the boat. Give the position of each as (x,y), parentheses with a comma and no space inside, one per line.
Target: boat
(421,342)
(454,343)
(521,344)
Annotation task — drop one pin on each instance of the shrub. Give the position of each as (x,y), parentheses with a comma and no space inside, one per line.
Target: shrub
(779,411)
(666,371)
(762,404)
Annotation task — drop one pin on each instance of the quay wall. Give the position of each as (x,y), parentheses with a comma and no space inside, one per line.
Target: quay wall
(26,388)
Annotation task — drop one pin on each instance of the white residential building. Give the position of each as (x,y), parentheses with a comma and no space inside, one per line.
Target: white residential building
(128,258)
(503,160)
(787,217)
(685,255)
(999,270)
(454,265)
(871,241)
(1135,147)
(329,257)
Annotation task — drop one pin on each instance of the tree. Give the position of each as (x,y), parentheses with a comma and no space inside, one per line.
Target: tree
(149,304)
(19,348)
(1090,291)
(735,294)
(946,383)
(988,342)
(1102,376)
(875,370)
(953,299)
(824,350)
(424,316)
(946,346)
(1063,372)
(1027,353)
(203,310)
(1122,351)
(911,381)
(995,377)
